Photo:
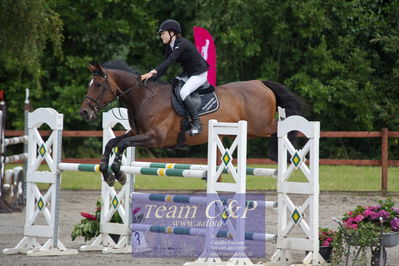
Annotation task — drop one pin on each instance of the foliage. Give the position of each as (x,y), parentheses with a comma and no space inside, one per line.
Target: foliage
(30,31)
(28,26)
(89,226)
(341,56)
(362,228)
(326,237)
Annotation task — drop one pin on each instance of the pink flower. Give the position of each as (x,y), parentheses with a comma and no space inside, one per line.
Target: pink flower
(348,225)
(88,216)
(136,210)
(395,224)
(367,213)
(325,243)
(374,216)
(354,226)
(374,208)
(359,218)
(383,214)
(351,220)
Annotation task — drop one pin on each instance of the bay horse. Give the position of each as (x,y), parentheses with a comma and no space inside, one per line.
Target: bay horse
(155,124)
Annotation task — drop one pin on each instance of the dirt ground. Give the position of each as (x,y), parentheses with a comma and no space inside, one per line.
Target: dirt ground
(74,202)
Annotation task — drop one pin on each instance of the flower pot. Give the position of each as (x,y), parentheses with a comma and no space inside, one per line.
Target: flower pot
(390,239)
(325,252)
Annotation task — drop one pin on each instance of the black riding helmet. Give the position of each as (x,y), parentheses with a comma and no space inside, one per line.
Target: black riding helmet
(170,25)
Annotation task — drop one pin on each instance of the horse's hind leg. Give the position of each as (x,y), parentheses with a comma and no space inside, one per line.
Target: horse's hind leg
(144,140)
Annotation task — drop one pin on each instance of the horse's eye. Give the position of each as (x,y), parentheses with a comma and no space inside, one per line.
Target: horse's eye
(98,85)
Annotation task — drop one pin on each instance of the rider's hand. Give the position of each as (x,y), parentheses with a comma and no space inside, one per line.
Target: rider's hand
(148,75)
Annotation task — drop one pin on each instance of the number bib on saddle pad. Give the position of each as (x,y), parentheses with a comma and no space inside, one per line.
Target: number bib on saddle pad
(204,98)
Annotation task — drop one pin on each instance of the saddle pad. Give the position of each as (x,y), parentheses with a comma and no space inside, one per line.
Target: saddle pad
(209,104)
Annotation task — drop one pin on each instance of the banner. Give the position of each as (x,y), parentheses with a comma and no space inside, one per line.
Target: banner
(205,45)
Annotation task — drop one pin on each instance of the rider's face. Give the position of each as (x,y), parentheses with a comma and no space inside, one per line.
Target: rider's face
(165,37)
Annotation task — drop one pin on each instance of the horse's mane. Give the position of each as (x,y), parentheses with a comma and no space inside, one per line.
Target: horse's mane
(120,65)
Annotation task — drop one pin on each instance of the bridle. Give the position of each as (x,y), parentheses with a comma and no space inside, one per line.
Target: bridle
(96,105)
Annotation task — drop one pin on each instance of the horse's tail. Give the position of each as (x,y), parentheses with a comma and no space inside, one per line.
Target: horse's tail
(293,105)
(285,98)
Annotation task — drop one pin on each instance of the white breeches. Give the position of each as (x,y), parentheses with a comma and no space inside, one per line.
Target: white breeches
(193,83)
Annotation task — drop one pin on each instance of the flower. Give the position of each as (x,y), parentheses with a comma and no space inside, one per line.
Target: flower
(372,214)
(137,218)
(88,216)
(89,226)
(362,228)
(326,237)
(394,224)
(136,210)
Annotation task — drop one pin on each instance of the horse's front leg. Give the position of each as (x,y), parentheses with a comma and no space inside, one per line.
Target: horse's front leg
(109,177)
(144,140)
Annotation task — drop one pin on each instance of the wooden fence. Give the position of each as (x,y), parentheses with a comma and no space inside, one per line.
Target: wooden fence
(384,135)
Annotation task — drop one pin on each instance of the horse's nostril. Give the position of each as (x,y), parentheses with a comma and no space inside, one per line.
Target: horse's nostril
(84,113)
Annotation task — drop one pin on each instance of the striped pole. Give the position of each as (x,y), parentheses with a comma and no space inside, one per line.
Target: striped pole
(16,140)
(250,171)
(175,230)
(195,199)
(134,170)
(17,157)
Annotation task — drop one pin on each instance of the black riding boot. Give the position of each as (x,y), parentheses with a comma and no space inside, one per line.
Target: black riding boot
(193,113)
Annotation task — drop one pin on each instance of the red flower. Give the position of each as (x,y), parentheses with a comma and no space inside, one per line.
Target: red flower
(88,216)
(136,210)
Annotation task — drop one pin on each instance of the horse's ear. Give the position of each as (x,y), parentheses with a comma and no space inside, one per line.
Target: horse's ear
(91,68)
(102,71)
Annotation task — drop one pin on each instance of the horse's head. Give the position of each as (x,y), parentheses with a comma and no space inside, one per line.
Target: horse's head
(102,90)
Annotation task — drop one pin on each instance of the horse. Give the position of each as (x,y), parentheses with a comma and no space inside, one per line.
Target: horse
(155,124)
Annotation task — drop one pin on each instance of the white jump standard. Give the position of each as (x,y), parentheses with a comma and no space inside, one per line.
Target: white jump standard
(46,204)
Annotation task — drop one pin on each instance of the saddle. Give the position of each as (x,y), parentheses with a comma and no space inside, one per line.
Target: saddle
(205,100)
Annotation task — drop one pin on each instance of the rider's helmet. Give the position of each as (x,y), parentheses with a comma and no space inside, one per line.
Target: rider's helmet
(170,25)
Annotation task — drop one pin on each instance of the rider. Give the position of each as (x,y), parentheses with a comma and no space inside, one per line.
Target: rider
(194,66)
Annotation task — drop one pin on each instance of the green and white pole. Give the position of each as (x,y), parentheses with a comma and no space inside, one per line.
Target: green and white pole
(135,170)
(249,171)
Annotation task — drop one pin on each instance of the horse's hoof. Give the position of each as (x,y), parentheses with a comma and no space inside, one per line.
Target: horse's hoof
(121,178)
(110,179)
(181,147)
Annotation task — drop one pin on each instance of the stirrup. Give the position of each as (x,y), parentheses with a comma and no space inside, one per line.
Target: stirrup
(195,131)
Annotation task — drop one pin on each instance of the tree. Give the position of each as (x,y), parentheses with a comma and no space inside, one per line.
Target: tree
(28,28)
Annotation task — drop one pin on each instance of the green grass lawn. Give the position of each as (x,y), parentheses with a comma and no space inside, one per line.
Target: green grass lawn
(332,178)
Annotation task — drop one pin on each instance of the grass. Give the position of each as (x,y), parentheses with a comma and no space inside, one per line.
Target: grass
(332,178)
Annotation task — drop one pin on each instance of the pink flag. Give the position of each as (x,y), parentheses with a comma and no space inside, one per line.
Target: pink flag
(205,45)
